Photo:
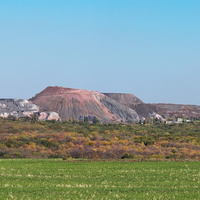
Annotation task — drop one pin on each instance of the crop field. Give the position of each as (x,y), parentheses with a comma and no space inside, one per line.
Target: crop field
(60,179)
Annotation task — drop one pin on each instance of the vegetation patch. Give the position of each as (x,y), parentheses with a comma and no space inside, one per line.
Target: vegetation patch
(150,141)
(57,179)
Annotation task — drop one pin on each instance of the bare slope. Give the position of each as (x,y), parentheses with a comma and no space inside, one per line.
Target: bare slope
(78,104)
(143,110)
(160,110)
(123,98)
(176,110)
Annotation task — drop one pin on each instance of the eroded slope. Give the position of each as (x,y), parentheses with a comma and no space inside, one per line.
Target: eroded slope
(78,104)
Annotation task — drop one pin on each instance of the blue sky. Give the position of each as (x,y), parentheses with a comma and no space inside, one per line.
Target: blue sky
(150,48)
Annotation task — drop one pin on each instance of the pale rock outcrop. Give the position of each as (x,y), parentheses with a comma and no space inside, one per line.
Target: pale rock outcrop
(43,116)
(23,108)
(17,108)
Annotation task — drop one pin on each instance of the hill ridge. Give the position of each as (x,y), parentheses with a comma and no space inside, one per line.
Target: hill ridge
(81,104)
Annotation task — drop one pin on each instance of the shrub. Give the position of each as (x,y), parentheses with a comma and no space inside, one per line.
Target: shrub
(127,155)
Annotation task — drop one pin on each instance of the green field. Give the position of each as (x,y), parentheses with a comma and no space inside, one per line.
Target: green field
(58,179)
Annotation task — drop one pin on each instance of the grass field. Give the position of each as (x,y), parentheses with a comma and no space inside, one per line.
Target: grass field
(58,179)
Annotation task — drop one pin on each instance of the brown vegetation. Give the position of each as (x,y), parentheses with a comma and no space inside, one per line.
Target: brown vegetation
(28,139)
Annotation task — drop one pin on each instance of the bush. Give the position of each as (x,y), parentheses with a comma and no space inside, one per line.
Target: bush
(127,155)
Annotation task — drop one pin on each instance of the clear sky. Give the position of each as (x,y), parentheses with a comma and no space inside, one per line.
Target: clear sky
(150,48)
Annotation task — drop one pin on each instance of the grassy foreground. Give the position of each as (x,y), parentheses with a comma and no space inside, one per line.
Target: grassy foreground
(58,179)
